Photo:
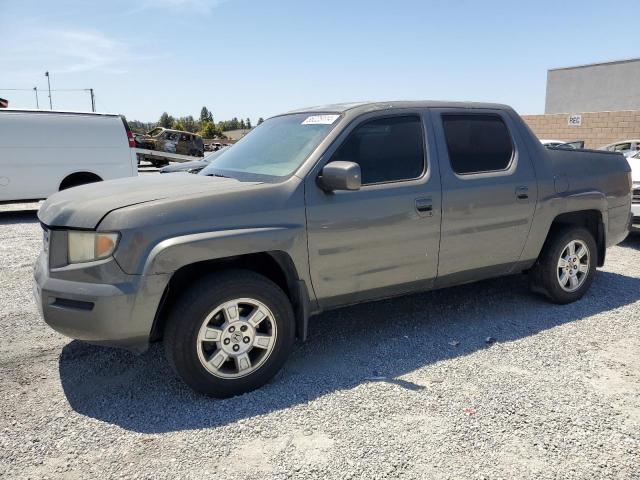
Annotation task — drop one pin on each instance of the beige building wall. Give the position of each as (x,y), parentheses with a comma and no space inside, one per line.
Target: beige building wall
(597,128)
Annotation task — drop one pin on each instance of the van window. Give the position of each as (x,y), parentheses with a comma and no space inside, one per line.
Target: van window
(387,150)
(477,143)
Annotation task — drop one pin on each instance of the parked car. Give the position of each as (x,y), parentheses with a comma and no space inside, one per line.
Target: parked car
(43,152)
(171,141)
(316,209)
(551,143)
(562,144)
(626,147)
(191,167)
(634,162)
(214,147)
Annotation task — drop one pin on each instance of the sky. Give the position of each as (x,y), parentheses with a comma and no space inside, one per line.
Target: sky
(257,58)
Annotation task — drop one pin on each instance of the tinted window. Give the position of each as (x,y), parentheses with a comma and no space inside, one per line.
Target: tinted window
(387,150)
(477,143)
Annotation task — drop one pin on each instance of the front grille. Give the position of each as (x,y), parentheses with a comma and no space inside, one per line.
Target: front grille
(636,195)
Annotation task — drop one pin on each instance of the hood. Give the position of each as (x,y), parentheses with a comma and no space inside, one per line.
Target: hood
(87,205)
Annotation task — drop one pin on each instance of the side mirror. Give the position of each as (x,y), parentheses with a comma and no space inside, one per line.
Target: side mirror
(340,176)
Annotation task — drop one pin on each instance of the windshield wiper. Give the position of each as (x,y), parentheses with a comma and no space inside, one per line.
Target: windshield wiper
(217,175)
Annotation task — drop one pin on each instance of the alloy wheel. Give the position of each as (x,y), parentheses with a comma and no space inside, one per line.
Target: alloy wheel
(236,338)
(573,265)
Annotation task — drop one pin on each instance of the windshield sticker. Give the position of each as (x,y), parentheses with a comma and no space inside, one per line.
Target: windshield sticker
(320,120)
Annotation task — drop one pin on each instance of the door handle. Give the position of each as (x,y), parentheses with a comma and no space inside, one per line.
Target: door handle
(424,206)
(522,193)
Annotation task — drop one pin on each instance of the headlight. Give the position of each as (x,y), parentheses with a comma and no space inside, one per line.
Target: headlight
(89,246)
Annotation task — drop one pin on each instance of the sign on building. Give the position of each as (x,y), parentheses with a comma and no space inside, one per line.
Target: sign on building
(574,120)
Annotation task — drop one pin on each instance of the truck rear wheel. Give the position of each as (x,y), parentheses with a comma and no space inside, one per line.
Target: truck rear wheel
(567,265)
(230,333)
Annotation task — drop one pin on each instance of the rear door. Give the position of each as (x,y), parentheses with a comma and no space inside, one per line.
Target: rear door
(489,193)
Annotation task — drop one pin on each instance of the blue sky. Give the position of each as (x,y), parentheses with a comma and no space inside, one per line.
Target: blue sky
(251,58)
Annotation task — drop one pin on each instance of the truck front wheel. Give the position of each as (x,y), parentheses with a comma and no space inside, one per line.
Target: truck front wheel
(567,265)
(230,333)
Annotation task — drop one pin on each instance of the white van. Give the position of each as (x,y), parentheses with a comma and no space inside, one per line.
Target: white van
(42,152)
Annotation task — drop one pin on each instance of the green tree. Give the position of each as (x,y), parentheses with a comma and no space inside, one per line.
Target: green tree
(209,130)
(247,123)
(242,125)
(260,120)
(206,115)
(166,120)
(187,124)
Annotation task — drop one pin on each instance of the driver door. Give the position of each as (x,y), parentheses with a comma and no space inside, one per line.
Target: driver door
(383,239)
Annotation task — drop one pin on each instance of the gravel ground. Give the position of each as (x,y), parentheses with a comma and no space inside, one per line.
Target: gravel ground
(404,388)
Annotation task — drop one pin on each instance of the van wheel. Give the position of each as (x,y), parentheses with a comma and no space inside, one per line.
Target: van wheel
(230,333)
(567,265)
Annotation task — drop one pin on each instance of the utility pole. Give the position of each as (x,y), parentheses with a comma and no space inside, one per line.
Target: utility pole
(35,89)
(46,74)
(93,100)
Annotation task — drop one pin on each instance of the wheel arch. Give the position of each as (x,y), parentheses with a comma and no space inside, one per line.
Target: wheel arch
(277,266)
(592,220)
(80,177)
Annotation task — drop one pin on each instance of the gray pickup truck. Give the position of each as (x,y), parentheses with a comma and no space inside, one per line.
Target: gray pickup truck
(316,209)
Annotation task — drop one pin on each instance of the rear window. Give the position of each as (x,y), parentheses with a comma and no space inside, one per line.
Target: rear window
(477,143)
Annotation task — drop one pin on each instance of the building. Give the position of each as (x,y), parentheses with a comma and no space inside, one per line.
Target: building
(598,103)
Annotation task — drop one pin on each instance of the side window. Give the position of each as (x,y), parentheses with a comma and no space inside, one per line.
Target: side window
(477,143)
(621,147)
(387,150)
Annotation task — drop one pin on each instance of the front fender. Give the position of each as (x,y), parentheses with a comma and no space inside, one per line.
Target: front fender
(171,254)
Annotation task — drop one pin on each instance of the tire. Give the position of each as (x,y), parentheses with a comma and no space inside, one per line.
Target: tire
(203,318)
(550,278)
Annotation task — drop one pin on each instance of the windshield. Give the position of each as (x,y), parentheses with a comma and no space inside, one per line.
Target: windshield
(276,148)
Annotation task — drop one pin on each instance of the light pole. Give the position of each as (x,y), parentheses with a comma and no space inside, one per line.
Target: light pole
(93,99)
(35,89)
(46,74)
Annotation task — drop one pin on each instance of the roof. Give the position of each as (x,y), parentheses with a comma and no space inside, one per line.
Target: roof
(66,112)
(371,106)
(587,65)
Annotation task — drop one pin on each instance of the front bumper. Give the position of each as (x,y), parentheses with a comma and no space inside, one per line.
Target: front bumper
(118,313)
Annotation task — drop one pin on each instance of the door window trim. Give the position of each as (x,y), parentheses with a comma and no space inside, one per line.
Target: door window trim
(368,117)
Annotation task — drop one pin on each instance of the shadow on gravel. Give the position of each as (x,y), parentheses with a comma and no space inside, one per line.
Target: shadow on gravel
(370,342)
(632,241)
(11,217)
